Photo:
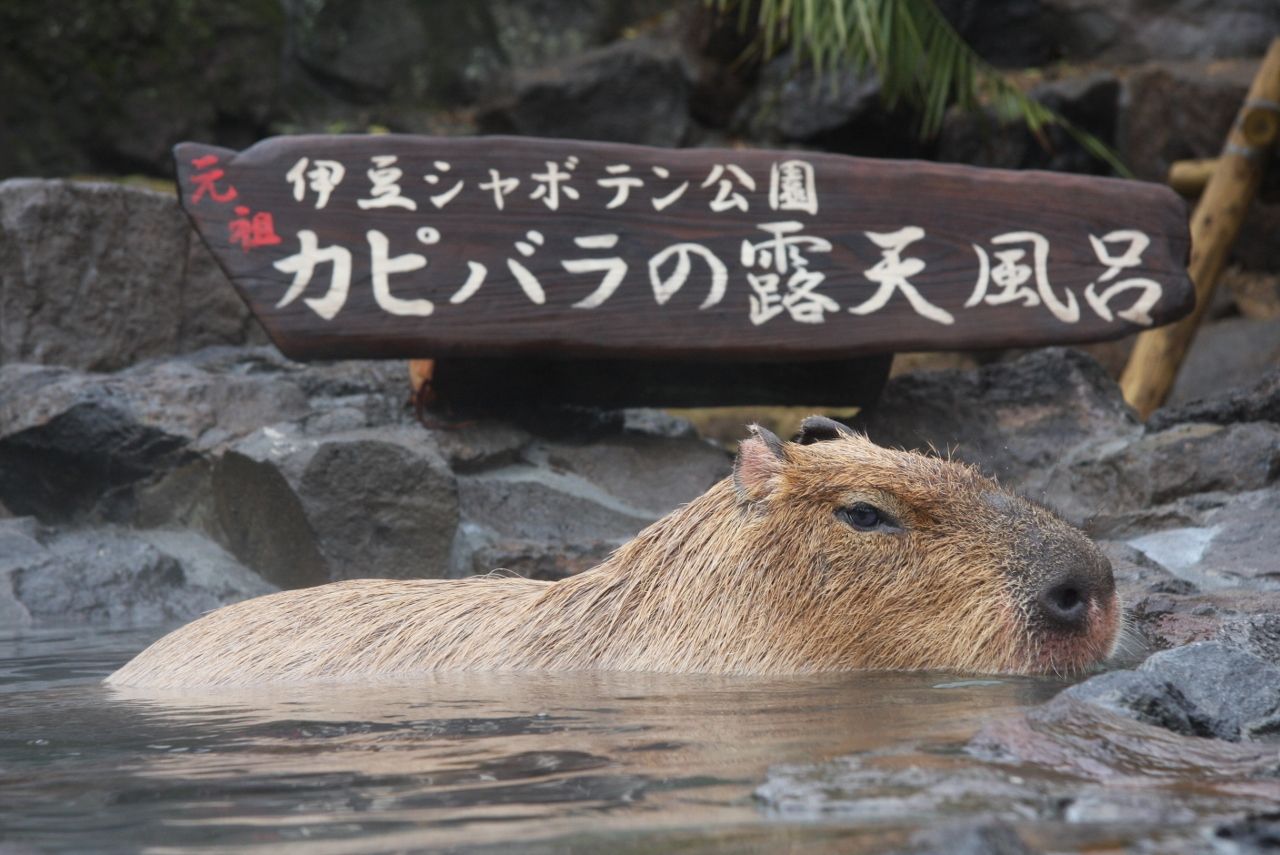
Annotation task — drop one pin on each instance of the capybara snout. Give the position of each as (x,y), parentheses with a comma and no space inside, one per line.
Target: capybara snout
(826,553)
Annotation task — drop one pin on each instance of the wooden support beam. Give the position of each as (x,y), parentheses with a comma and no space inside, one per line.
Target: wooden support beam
(1215,224)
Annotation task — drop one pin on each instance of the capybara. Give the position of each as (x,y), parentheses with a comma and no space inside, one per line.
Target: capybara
(827,553)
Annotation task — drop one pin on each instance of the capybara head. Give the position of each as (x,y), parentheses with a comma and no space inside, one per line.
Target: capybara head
(923,562)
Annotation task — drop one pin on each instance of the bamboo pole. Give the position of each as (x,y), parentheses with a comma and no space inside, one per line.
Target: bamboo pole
(1158,353)
(1188,177)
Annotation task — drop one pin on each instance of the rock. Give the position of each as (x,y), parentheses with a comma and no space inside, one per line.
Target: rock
(1255,832)
(203,70)
(410,58)
(1230,352)
(839,111)
(649,473)
(1258,635)
(1163,620)
(1128,31)
(212,313)
(792,102)
(400,55)
(1158,468)
(1179,111)
(18,548)
(1076,737)
(1255,250)
(533,34)
(1255,294)
(536,504)
(996,838)
(1008,33)
(634,91)
(873,787)
(1014,420)
(1212,540)
(1149,699)
(75,445)
(483,444)
(102,276)
(119,577)
(563,507)
(301,510)
(1238,693)
(64,447)
(1089,101)
(1259,402)
(657,423)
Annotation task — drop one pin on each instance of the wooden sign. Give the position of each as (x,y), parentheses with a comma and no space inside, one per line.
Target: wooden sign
(409,247)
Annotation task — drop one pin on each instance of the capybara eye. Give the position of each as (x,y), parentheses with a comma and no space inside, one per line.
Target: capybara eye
(865,517)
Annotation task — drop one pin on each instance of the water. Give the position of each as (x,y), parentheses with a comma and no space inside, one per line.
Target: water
(455,762)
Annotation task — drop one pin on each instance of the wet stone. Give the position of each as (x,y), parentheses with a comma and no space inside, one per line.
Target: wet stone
(994,838)
(1236,691)
(1148,699)
(118,577)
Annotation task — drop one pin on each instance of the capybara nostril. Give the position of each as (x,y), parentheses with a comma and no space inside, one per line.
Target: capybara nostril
(1065,604)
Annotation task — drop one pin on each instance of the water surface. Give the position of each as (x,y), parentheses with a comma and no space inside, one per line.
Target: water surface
(461,762)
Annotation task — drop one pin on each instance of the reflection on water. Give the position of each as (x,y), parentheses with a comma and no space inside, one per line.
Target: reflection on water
(482,762)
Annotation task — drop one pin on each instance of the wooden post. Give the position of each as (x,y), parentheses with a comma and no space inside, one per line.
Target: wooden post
(1189,177)
(1215,224)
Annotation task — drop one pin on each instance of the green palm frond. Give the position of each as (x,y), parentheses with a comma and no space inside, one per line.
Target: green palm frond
(917,55)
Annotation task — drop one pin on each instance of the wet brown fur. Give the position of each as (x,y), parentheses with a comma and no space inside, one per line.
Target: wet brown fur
(756,576)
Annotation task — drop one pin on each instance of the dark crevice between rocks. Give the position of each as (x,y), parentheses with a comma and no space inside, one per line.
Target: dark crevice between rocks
(59,471)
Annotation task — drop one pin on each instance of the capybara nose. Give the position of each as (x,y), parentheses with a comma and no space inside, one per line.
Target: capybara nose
(1065,603)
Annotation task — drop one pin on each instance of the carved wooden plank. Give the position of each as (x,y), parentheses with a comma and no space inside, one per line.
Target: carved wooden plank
(403,247)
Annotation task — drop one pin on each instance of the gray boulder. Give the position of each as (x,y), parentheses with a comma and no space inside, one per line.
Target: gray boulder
(1228,353)
(1126,31)
(101,276)
(1161,467)
(302,510)
(1149,699)
(1213,540)
(114,576)
(1006,33)
(1090,101)
(1259,402)
(1176,111)
(1235,690)
(634,91)
(1015,420)
(562,507)
(839,110)
(76,445)
(1258,635)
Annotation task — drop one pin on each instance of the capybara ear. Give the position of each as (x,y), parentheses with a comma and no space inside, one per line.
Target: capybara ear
(760,460)
(820,429)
